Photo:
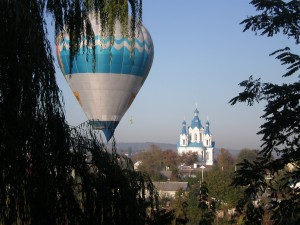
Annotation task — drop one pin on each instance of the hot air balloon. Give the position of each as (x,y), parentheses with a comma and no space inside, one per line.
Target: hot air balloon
(106,89)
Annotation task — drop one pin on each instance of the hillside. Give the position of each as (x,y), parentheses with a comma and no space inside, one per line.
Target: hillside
(135,147)
(123,146)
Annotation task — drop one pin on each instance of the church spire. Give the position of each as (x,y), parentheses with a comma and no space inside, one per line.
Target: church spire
(183,131)
(196,122)
(207,130)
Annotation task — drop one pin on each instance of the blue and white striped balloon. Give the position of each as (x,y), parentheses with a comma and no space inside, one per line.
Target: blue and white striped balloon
(106,91)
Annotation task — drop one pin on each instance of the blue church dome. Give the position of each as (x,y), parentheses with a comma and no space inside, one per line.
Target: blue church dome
(196,122)
(207,131)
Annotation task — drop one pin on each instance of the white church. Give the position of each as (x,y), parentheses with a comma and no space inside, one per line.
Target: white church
(197,138)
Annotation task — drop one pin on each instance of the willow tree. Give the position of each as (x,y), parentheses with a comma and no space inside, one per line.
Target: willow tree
(281,130)
(46,176)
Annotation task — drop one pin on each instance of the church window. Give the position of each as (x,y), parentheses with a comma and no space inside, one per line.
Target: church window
(207,156)
(195,137)
(183,142)
(206,142)
(202,155)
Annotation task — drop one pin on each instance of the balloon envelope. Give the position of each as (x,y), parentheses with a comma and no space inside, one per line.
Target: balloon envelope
(106,89)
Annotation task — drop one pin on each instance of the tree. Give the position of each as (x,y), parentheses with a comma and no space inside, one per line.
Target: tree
(45,174)
(280,132)
(193,213)
(170,158)
(154,161)
(180,207)
(163,217)
(225,159)
(207,208)
(246,154)
(188,158)
(218,183)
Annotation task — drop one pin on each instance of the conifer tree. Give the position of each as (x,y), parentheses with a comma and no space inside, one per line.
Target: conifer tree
(206,207)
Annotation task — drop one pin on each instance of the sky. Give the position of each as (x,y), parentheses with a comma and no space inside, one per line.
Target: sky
(201,54)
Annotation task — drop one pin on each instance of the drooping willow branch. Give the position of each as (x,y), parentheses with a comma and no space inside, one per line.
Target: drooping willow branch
(73,17)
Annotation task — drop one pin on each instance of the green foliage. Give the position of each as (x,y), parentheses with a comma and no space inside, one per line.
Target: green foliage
(276,16)
(280,132)
(163,217)
(207,207)
(195,207)
(254,214)
(248,154)
(193,181)
(180,207)
(193,210)
(51,173)
(219,185)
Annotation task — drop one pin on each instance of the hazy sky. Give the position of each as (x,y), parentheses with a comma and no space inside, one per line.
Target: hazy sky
(201,54)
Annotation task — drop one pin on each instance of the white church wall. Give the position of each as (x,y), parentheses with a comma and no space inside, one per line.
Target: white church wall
(210,156)
(207,140)
(183,140)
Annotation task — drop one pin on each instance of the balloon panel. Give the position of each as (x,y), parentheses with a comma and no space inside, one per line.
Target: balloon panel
(115,59)
(104,97)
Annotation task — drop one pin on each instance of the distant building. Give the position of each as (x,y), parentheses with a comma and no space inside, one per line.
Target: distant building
(169,189)
(197,138)
(137,164)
